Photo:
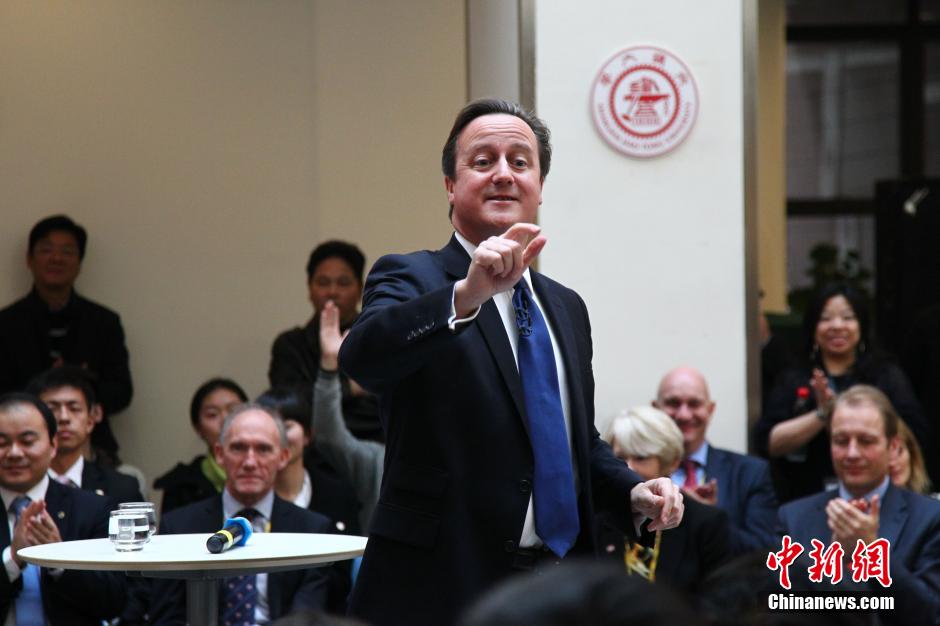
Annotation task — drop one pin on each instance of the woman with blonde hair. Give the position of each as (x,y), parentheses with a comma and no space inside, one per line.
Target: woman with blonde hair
(650,443)
(907,463)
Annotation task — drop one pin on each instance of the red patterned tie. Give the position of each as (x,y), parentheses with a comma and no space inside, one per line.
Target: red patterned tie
(691,474)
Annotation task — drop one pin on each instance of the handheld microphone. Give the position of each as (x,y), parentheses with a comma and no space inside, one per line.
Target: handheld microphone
(235,532)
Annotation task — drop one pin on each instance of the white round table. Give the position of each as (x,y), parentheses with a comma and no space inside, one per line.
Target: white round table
(186,557)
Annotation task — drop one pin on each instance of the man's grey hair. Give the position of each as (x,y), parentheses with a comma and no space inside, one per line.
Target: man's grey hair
(253,406)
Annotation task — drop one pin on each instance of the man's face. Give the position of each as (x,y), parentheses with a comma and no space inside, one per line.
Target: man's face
(54,260)
(497,179)
(335,280)
(25,448)
(74,418)
(683,394)
(861,453)
(252,455)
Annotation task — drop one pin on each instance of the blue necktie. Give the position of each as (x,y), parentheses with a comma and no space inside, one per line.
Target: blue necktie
(240,593)
(29,601)
(556,506)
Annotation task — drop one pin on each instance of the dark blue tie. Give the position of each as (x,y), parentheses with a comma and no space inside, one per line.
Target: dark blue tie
(556,506)
(29,601)
(240,593)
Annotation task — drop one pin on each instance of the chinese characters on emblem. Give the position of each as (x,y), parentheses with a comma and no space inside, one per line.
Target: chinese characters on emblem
(867,562)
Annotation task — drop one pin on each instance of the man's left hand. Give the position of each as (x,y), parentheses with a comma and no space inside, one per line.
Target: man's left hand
(659,500)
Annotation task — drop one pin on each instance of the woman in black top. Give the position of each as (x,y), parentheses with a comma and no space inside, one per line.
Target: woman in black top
(792,432)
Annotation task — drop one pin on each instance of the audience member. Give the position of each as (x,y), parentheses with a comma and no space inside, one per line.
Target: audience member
(651,445)
(308,482)
(907,463)
(252,448)
(203,476)
(69,392)
(53,325)
(578,593)
(334,274)
(792,431)
(738,484)
(865,506)
(36,511)
(359,461)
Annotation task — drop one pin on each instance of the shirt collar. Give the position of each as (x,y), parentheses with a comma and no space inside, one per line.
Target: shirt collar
(38,492)
(700,456)
(470,248)
(880,491)
(231,506)
(74,473)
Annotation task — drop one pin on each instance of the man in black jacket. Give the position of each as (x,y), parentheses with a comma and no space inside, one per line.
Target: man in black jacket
(53,325)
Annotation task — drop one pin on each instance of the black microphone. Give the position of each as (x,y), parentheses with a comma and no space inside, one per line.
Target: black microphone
(235,532)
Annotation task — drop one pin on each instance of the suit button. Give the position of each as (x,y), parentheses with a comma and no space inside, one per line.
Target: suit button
(525,486)
(510,546)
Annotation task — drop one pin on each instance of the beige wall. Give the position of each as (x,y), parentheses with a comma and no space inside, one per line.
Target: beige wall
(771,154)
(207,146)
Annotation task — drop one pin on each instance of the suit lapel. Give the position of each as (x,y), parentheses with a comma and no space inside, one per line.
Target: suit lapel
(893,515)
(716,466)
(490,323)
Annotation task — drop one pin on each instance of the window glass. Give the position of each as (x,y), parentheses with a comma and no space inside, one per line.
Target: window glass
(842,119)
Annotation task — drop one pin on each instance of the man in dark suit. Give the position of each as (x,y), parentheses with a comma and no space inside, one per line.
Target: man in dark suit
(482,412)
(863,434)
(70,393)
(736,483)
(37,510)
(53,325)
(252,448)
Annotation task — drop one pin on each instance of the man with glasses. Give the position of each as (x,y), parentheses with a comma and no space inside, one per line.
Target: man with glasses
(53,326)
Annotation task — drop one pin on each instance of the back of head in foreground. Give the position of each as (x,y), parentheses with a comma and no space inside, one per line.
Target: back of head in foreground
(577,592)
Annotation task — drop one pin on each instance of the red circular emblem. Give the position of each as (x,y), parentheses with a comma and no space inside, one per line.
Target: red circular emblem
(644,101)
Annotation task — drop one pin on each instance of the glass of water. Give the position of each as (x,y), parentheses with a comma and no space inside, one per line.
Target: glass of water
(147,507)
(128,529)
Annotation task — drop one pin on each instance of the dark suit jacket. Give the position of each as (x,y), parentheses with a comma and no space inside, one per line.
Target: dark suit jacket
(911,522)
(290,591)
(746,493)
(75,597)
(687,553)
(110,483)
(458,462)
(184,484)
(95,340)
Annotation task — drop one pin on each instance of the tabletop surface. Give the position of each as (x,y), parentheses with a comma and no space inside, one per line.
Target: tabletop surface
(188,552)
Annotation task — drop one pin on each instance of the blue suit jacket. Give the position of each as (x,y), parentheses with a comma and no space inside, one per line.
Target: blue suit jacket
(289,591)
(458,461)
(746,494)
(75,597)
(911,522)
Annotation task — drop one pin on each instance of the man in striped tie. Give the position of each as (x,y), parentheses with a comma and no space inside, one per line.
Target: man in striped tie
(37,510)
